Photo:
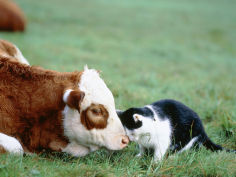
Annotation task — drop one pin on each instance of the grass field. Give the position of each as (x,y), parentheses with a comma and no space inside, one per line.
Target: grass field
(147,50)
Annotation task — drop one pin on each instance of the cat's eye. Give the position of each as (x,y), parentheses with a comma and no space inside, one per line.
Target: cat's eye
(132,132)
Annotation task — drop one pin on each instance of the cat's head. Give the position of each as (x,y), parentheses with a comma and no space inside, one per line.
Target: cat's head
(138,122)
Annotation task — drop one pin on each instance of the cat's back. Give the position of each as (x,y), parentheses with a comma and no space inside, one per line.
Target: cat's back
(174,110)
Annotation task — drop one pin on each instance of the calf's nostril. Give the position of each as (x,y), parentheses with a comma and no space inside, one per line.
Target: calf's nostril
(125,140)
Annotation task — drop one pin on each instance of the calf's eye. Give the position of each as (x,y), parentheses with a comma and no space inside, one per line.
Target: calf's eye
(96,111)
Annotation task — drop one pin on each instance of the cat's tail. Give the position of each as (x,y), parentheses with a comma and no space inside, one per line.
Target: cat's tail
(214,147)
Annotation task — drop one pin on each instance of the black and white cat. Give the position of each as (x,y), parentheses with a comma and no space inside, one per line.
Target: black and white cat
(165,125)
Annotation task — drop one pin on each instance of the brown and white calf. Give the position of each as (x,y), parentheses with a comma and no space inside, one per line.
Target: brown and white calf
(8,49)
(40,109)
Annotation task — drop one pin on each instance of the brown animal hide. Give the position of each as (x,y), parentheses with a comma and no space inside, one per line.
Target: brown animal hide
(7,48)
(31,104)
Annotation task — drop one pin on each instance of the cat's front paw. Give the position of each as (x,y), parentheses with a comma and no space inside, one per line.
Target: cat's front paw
(157,157)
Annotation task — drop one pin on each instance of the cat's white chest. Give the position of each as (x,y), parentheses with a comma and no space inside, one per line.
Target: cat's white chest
(163,132)
(156,135)
(146,140)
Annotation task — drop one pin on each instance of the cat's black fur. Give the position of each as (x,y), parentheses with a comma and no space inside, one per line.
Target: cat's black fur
(185,123)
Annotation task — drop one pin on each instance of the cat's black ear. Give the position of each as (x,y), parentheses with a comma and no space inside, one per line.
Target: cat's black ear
(119,112)
(121,116)
(137,117)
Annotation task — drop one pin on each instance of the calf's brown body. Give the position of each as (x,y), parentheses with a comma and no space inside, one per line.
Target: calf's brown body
(31,104)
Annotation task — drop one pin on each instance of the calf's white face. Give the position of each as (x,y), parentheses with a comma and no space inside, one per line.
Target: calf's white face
(90,117)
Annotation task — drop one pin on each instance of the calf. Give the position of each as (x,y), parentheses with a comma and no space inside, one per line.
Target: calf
(40,109)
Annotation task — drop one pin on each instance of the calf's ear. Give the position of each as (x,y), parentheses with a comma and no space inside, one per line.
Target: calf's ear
(73,98)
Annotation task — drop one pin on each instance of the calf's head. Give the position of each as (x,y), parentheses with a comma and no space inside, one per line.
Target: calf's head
(90,117)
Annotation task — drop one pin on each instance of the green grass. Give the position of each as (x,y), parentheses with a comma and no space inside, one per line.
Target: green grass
(147,50)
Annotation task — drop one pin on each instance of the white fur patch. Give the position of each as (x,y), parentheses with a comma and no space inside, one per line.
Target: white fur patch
(95,90)
(11,144)
(20,57)
(189,145)
(66,94)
